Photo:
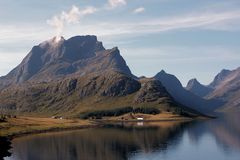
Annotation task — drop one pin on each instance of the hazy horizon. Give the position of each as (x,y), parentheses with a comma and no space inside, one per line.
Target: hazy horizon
(188,39)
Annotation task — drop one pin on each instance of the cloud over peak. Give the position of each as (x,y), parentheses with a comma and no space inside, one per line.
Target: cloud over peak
(70,17)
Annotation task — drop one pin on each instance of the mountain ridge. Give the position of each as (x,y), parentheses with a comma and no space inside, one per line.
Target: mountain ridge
(225,87)
(183,96)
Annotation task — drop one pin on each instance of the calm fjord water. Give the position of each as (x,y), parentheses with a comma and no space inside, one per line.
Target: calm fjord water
(217,139)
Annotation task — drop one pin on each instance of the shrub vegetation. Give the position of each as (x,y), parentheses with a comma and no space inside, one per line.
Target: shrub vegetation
(118,112)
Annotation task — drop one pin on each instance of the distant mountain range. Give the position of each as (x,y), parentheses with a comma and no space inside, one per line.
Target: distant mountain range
(225,87)
(183,96)
(78,76)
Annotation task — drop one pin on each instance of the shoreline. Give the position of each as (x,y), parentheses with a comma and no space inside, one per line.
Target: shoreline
(52,130)
(146,121)
(101,123)
(76,125)
(21,126)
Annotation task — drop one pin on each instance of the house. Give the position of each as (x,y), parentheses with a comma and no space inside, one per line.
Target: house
(140,119)
(56,117)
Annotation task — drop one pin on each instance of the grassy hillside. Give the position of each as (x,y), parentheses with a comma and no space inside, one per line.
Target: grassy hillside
(98,92)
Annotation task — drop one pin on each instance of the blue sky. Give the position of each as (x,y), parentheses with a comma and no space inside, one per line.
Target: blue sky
(187,38)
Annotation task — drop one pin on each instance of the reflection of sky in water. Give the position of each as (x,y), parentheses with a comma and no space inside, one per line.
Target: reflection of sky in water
(206,149)
(214,140)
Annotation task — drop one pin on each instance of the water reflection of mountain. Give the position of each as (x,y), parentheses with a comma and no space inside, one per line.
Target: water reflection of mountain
(122,142)
(225,130)
(108,143)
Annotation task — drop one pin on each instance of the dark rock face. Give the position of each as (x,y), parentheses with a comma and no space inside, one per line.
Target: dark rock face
(105,84)
(198,89)
(150,91)
(72,85)
(121,86)
(181,95)
(81,47)
(54,59)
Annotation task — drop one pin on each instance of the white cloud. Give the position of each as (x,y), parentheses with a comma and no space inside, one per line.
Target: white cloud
(116,3)
(204,20)
(209,21)
(36,33)
(71,17)
(139,10)
(88,10)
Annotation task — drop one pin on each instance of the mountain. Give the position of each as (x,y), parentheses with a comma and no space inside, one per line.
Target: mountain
(78,77)
(54,59)
(183,96)
(205,91)
(80,96)
(197,88)
(227,88)
(219,78)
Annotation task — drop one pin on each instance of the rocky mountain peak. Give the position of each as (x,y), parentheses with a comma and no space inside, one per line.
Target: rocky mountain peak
(58,57)
(183,96)
(192,82)
(151,90)
(219,78)
(167,78)
(162,72)
(197,88)
(53,42)
(57,39)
